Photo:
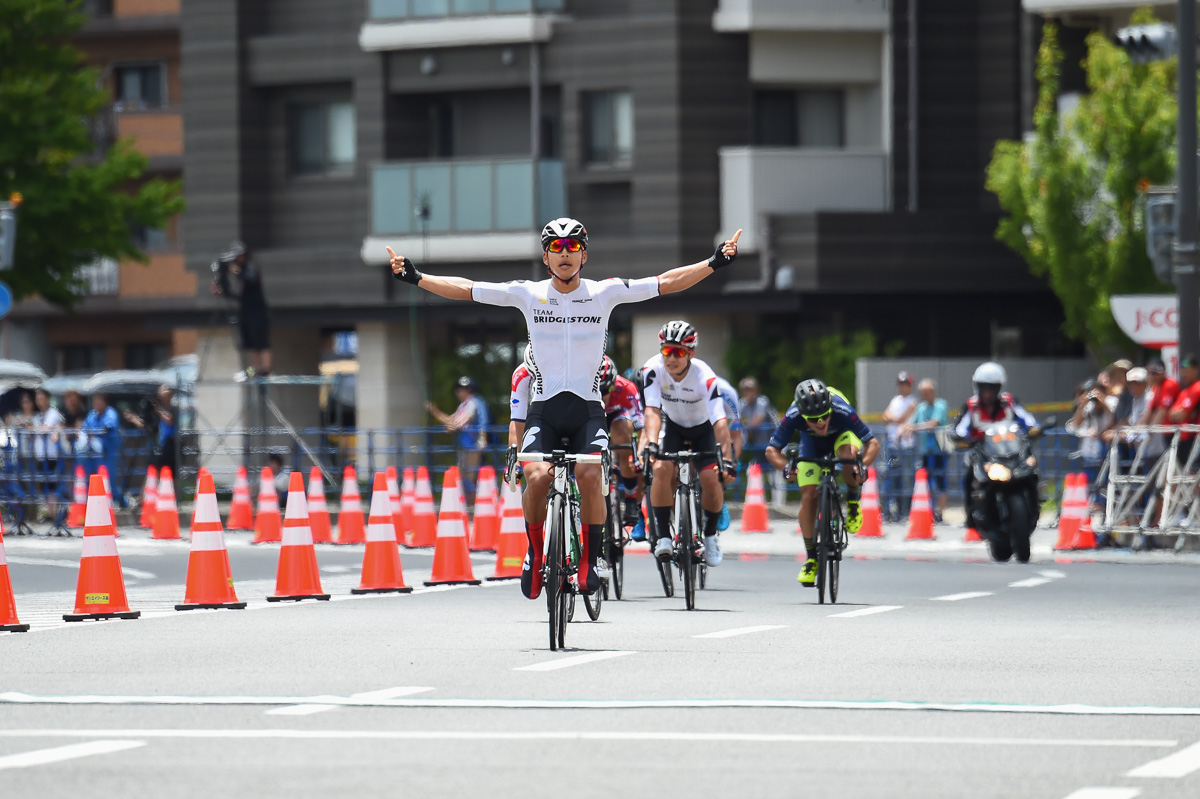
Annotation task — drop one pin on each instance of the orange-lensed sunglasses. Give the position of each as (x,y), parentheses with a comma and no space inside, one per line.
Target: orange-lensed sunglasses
(676,352)
(570,245)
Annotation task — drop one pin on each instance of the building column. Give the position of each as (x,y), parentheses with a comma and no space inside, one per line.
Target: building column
(714,331)
(389,392)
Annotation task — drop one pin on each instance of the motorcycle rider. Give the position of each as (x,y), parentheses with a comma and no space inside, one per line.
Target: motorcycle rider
(989,404)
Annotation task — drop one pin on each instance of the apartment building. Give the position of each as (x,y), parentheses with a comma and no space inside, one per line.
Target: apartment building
(128,316)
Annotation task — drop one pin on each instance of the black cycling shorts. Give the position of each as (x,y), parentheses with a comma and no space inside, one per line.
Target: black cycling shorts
(565,416)
(700,438)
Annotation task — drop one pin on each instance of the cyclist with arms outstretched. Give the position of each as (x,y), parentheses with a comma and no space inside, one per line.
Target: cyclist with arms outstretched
(567,317)
(826,423)
(684,412)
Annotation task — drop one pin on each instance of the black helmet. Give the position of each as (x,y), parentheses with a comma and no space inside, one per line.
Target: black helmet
(639,378)
(564,228)
(678,332)
(812,398)
(466,382)
(607,375)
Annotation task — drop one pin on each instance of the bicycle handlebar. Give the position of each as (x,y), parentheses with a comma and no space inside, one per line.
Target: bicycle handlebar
(558,456)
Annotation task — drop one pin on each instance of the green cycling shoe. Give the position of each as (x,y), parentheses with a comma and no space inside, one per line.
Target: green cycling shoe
(808,575)
(854,517)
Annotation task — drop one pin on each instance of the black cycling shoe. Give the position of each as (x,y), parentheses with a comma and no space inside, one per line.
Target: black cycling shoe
(531,575)
(633,513)
(589,581)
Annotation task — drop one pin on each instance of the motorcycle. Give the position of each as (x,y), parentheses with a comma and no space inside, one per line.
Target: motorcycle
(1004,502)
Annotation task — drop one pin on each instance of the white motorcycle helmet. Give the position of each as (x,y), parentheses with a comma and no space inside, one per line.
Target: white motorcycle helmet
(989,375)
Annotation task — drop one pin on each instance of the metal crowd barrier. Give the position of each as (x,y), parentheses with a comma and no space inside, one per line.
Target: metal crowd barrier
(1151,483)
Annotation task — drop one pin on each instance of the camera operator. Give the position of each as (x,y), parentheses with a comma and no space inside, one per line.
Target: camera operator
(158,414)
(238,277)
(1092,418)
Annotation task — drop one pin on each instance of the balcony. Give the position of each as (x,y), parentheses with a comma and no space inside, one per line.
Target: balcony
(100,278)
(404,24)
(757,181)
(742,16)
(478,209)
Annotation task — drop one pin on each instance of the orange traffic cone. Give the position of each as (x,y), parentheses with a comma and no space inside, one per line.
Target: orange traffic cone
(268,526)
(209,578)
(920,515)
(460,496)
(397,515)
(451,557)
(149,506)
(972,536)
(318,511)
(872,521)
(112,510)
(381,569)
(352,528)
(754,511)
(9,623)
(425,522)
(298,576)
(1086,537)
(487,518)
(166,519)
(100,592)
(78,509)
(512,543)
(1070,518)
(408,488)
(241,512)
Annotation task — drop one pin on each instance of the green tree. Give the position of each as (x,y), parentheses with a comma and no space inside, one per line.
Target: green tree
(78,204)
(1071,192)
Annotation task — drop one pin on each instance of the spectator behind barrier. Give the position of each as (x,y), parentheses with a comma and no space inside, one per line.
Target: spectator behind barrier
(470,421)
(1089,422)
(103,428)
(898,455)
(931,414)
(759,419)
(1187,405)
(158,414)
(48,438)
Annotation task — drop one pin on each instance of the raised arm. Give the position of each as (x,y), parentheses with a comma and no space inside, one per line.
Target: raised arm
(452,288)
(684,277)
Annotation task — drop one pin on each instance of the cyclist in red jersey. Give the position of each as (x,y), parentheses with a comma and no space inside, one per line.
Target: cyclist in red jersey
(623,409)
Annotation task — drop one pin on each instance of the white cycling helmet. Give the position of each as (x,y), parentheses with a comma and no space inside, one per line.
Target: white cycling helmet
(989,374)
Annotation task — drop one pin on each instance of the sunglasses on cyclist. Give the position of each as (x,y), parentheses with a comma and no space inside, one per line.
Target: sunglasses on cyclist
(819,419)
(570,245)
(676,352)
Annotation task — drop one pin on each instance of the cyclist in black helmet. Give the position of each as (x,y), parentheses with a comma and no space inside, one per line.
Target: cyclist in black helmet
(826,422)
(567,317)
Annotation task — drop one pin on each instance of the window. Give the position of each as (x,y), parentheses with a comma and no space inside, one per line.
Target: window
(77,358)
(139,86)
(145,354)
(322,138)
(799,118)
(609,120)
(149,239)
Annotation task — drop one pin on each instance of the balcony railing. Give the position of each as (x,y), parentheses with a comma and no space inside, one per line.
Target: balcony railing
(768,180)
(465,196)
(802,15)
(380,10)
(101,278)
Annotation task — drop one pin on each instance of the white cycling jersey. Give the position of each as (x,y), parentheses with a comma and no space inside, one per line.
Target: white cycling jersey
(691,401)
(567,331)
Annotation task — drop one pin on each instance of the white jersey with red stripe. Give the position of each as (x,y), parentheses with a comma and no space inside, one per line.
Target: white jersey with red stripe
(522,380)
(687,402)
(566,331)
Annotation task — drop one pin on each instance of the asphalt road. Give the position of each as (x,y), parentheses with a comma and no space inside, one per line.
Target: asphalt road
(941,676)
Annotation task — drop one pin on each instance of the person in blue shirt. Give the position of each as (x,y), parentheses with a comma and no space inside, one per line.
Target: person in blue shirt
(103,428)
(932,413)
(826,423)
(469,422)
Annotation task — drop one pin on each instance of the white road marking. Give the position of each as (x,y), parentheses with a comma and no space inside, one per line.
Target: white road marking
(850,614)
(965,595)
(576,735)
(1029,582)
(337,569)
(43,756)
(1179,764)
(577,660)
(741,631)
(309,709)
(1104,793)
(137,574)
(18,698)
(1053,574)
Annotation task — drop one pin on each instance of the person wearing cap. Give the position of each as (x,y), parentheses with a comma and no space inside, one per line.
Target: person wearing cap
(254,321)
(1141,398)
(896,485)
(1186,409)
(932,414)
(469,420)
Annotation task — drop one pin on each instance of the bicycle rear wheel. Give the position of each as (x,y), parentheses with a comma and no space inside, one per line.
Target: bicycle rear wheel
(592,603)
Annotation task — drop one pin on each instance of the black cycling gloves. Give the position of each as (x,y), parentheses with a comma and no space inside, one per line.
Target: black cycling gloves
(719,259)
(410,273)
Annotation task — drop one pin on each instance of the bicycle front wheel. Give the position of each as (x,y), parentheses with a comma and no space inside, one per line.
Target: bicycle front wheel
(687,560)
(823,531)
(837,544)
(556,569)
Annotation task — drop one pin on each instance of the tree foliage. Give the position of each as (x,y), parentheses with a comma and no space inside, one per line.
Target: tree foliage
(1071,191)
(78,205)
